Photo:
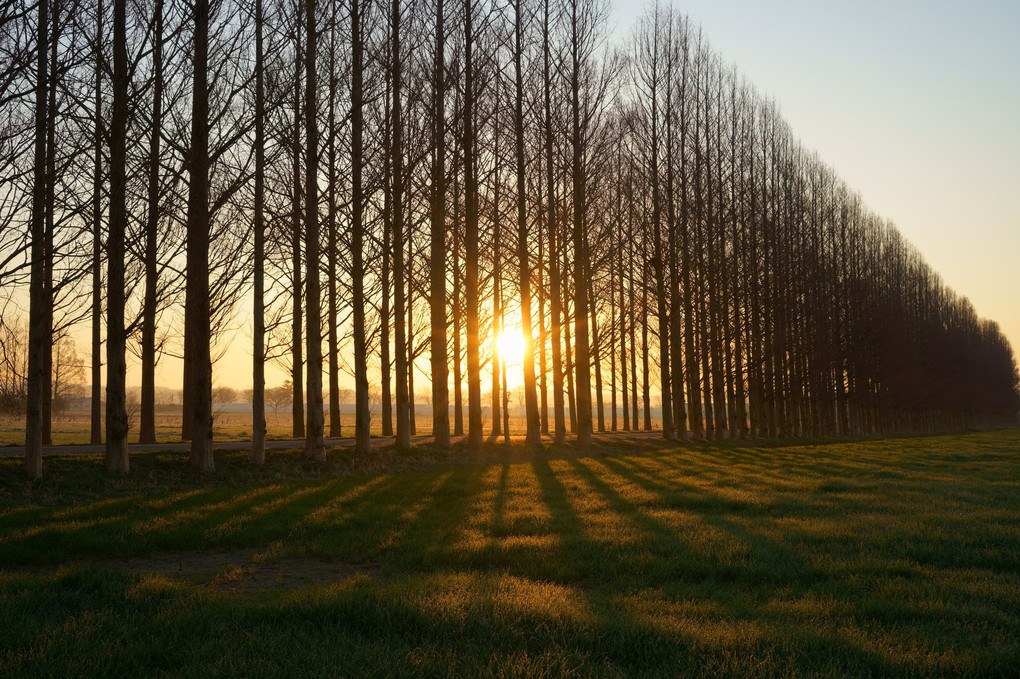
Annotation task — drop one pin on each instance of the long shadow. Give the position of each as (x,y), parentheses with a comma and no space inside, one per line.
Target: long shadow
(356,527)
(604,572)
(496,522)
(425,543)
(766,559)
(771,569)
(591,569)
(137,530)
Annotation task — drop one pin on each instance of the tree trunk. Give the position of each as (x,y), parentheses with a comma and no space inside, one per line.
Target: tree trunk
(385,363)
(412,409)
(555,301)
(646,387)
(533,433)
(197,303)
(96,435)
(258,396)
(578,179)
(568,347)
(315,448)
(48,253)
(116,340)
(437,253)
(471,236)
(332,246)
(596,352)
(147,416)
(297,406)
(403,440)
(362,416)
(497,276)
(37,302)
(458,377)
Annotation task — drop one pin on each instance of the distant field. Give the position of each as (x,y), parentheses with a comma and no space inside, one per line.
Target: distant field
(228,426)
(887,558)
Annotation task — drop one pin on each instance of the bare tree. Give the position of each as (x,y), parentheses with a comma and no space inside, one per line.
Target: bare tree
(437,260)
(197,330)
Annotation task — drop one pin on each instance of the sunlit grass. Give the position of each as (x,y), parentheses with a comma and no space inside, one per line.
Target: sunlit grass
(878,558)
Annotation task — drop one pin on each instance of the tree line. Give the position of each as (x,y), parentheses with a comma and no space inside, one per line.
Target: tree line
(385,187)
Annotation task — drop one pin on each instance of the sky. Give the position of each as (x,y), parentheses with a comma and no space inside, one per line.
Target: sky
(915,104)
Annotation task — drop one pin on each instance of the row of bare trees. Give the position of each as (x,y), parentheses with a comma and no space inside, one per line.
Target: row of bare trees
(395,184)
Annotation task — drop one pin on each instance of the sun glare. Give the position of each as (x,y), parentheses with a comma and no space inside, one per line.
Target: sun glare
(511,346)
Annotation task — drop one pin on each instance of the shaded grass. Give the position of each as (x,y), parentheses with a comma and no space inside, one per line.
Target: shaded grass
(877,558)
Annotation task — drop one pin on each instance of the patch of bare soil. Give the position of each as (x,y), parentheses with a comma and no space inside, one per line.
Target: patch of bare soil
(242,571)
(249,571)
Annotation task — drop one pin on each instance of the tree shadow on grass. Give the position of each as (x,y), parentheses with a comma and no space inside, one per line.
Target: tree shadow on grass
(769,581)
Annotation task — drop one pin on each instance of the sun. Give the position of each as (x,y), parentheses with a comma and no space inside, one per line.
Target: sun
(511,346)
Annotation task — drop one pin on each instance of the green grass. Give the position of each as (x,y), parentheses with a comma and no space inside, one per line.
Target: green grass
(876,558)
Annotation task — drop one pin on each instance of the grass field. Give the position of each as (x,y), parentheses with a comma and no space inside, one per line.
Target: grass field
(883,558)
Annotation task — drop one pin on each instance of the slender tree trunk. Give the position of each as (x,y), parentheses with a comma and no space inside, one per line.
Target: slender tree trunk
(197,303)
(646,387)
(297,405)
(497,318)
(497,274)
(362,416)
(596,353)
(403,440)
(613,326)
(543,334)
(693,380)
(96,435)
(740,411)
(147,417)
(659,267)
(632,308)
(332,237)
(315,447)
(555,302)
(437,280)
(717,285)
(624,326)
(37,303)
(411,354)
(679,403)
(578,179)
(534,424)
(506,401)
(116,340)
(385,362)
(568,346)
(48,253)
(471,235)
(258,397)
(458,377)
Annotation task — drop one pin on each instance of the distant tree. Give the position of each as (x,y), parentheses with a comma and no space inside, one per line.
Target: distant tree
(280,396)
(68,374)
(224,394)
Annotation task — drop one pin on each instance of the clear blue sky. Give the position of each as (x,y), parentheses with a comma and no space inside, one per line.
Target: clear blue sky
(916,104)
